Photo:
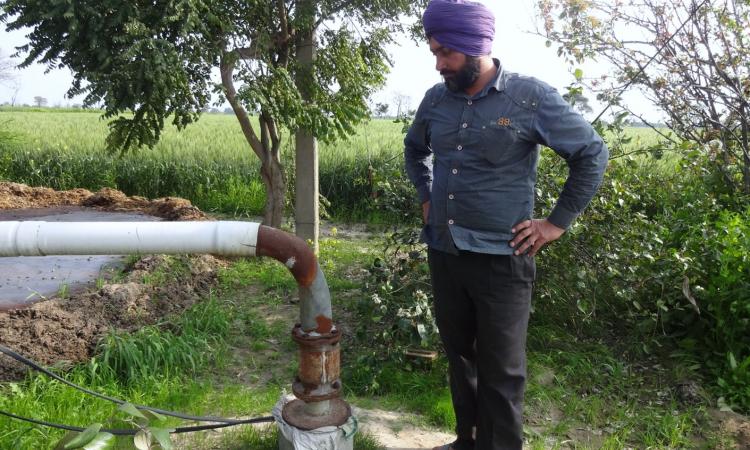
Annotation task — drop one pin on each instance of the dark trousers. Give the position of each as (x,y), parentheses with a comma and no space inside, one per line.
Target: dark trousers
(482,306)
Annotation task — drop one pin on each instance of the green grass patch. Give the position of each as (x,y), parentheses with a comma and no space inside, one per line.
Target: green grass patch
(173,349)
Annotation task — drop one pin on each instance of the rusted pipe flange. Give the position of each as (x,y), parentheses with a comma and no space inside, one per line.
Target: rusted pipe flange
(319,365)
(314,339)
(316,393)
(294,414)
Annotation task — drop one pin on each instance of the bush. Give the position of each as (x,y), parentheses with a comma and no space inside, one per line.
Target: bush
(395,312)
(660,255)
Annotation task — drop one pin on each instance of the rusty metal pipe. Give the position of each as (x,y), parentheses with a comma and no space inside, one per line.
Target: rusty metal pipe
(314,296)
(318,383)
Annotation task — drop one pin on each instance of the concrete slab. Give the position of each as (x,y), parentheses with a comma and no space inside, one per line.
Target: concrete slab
(27,279)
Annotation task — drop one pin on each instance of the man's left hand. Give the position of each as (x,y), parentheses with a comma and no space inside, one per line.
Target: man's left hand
(533,234)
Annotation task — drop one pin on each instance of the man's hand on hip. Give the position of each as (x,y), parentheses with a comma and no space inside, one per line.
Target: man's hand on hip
(532,235)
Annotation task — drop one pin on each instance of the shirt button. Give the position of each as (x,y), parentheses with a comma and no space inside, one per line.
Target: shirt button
(460,147)
(455,171)
(450,196)
(469,102)
(450,222)
(464,125)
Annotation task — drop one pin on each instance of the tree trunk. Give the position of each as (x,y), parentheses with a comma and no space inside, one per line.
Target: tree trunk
(266,148)
(274,181)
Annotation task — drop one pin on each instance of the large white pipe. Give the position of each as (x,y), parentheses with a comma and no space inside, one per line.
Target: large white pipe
(113,238)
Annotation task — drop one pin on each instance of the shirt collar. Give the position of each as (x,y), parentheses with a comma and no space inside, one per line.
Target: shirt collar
(498,82)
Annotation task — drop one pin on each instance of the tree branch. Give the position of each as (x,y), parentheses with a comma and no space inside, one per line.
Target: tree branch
(227,72)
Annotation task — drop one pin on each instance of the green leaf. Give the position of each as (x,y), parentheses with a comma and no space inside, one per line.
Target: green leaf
(578,74)
(84,437)
(152,416)
(102,441)
(163,437)
(732,361)
(131,410)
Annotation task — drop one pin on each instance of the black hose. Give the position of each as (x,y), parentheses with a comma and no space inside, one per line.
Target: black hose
(133,431)
(222,422)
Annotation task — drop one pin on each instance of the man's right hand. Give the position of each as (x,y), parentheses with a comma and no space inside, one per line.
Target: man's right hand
(425,211)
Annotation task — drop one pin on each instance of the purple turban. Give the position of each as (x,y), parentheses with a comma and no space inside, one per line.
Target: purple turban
(463,26)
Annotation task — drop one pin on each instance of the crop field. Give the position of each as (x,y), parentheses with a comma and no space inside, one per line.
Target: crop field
(208,163)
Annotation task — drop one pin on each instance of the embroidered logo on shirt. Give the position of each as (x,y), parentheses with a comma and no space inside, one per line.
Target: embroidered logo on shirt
(503,122)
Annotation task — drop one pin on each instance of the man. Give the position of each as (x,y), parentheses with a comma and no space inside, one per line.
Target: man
(472,155)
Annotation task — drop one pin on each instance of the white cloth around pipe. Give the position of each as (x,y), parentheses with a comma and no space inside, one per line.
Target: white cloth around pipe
(35,238)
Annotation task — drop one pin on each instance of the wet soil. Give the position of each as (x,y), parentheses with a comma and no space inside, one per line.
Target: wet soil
(60,331)
(21,196)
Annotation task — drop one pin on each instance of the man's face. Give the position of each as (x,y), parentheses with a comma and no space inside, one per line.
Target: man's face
(458,70)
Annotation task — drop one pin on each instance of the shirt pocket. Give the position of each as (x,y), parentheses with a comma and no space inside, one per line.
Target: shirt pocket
(498,136)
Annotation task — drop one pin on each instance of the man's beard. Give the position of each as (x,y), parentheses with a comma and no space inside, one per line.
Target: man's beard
(464,77)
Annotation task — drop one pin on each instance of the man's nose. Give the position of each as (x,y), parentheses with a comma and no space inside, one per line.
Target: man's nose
(439,64)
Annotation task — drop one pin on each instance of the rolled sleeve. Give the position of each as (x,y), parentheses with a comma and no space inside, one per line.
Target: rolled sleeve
(565,131)
(418,154)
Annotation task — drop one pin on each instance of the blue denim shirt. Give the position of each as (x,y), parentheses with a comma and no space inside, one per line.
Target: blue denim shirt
(475,159)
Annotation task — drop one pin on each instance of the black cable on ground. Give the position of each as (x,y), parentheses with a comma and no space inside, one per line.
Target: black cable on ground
(133,431)
(223,422)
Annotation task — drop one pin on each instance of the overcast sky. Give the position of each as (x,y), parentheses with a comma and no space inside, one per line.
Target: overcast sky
(412,74)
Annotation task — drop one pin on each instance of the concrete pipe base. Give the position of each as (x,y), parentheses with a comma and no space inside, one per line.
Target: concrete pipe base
(339,437)
(331,438)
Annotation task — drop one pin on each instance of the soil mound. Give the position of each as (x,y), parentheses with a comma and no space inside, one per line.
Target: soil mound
(18,196)
(62,331)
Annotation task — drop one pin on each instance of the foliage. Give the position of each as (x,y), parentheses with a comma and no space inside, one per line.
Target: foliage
(64,149)
(658,254)
(396,311)
(688,58)
(184,347)
(149,435)
(155,60)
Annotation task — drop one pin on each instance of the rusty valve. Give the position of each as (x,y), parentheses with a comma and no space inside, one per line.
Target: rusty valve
(317,386)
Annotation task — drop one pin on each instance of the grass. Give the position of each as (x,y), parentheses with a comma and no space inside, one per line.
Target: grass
(230,355)
(209,163)
(186,345)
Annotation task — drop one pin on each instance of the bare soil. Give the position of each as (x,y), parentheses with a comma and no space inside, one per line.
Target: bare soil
(17,196)
(62,331)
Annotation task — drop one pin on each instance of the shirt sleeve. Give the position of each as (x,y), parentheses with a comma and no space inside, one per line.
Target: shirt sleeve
(418,154)
(565,131)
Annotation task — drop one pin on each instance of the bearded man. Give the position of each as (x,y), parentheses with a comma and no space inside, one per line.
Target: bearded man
(472,155)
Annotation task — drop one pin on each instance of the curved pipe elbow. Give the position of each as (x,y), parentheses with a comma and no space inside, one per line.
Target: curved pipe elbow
(315,298)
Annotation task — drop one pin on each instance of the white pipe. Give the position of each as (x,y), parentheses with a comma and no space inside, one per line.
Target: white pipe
(124,238)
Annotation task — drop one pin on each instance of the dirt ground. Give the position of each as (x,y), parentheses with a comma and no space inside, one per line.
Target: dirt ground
(62,331)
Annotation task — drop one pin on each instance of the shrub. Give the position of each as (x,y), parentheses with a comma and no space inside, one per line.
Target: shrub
(660,255)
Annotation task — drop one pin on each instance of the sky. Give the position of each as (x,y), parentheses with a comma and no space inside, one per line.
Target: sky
(412,74)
